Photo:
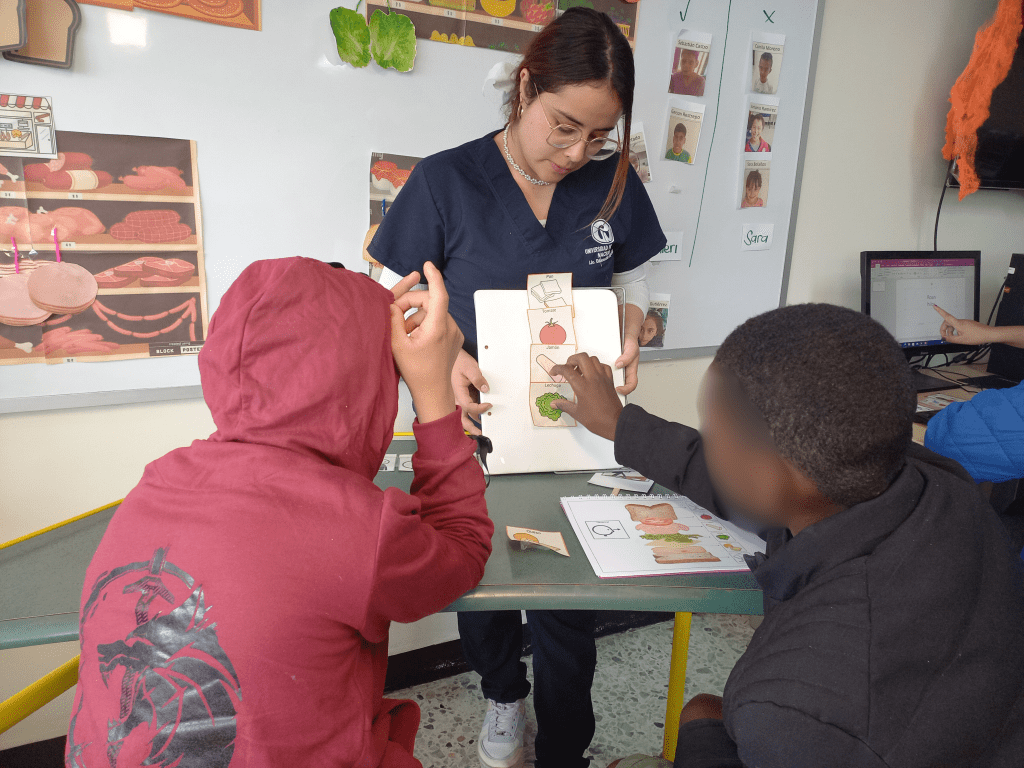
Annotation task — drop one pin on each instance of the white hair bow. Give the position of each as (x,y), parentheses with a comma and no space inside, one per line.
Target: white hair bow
(500,81)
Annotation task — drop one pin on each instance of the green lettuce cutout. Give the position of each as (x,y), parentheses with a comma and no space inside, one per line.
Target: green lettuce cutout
(392,40)
(352,35)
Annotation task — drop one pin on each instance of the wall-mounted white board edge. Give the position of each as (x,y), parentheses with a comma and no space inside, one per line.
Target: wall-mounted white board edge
(715,285)
(284,133)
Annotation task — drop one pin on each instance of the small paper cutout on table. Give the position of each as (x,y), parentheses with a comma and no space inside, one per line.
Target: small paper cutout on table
(528,538)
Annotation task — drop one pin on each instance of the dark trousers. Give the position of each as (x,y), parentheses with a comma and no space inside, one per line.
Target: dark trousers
(564,659)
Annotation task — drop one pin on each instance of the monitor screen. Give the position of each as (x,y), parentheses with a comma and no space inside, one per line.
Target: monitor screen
(901,289)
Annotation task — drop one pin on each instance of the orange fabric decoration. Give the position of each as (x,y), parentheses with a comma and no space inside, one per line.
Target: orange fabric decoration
(994,47)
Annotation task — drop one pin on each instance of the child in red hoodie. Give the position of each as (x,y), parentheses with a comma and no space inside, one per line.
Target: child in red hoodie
(237,610)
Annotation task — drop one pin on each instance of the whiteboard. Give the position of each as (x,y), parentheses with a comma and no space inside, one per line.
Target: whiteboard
(716,285)
(503,336)
(284,133)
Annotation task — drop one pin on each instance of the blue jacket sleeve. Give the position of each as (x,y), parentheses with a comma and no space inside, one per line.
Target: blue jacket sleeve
(985,435)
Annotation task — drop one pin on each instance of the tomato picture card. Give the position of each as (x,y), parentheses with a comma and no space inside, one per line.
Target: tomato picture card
(552,326)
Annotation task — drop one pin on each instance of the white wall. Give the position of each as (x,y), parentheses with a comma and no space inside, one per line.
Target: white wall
(871,180)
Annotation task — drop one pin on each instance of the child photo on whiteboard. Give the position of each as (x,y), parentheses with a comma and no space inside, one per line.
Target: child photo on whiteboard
(677,140)
(652,332)
(688,67)
(756,141)
(767,60)
(755,187)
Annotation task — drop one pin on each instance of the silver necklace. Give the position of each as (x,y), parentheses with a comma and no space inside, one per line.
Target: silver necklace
(515,165)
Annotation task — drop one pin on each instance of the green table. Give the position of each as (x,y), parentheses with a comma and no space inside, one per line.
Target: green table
(42,576)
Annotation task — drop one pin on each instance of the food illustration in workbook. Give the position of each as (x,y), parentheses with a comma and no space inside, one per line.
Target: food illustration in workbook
(552,342)
(642,535)
(109,233)
(689,63)
(502,25)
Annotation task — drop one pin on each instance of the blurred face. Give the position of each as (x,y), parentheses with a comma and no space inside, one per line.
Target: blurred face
(753,190)
(755,131)
(687,61)
(744,466)
(763,68)
(678,140)
(593,108)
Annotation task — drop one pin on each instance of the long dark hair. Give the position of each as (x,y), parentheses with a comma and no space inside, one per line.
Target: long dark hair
(583,46)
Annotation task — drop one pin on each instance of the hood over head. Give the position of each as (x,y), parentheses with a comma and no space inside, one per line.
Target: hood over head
(298,356)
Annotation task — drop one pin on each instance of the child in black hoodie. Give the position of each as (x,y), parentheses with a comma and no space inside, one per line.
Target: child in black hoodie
(894,606)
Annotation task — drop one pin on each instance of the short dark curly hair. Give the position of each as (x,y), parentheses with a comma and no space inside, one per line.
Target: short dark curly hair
(835,390)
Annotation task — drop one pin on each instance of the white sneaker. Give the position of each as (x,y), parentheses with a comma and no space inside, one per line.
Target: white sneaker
(501,738)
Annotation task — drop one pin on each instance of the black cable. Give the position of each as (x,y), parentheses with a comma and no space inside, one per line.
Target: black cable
(945,186)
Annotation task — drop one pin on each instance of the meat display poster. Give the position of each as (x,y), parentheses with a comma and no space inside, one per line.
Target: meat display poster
(126,209)
(505,25)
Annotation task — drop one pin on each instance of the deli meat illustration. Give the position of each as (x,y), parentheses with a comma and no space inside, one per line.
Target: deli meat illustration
(109,279)
(150,178)
(71,222)
(65,161)
(62,287)
(159,226)
(78,180)
(16,307)
(150,271)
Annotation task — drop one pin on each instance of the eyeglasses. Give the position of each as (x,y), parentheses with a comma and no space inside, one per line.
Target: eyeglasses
(564,136)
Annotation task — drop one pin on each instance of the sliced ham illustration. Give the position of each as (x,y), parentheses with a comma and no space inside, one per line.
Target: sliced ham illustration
(160,281)
(173,269)
(78,180)
(109,279)
(135,268)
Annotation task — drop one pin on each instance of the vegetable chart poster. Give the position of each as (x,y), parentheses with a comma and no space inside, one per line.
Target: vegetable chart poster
(506,25)
(126,208)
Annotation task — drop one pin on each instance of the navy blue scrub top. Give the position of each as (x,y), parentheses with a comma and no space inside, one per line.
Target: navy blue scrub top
(462,210)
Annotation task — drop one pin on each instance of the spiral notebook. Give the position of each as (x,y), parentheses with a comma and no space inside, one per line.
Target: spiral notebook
(656,535)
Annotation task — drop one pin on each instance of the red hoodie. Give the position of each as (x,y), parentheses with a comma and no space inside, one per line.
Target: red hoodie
(237,610)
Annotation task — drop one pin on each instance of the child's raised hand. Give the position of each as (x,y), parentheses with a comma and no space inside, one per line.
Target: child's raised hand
(426,345)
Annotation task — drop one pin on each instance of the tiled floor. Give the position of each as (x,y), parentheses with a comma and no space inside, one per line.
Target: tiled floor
(629,693)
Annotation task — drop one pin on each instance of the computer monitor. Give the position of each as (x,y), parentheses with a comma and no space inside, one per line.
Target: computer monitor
(900,288)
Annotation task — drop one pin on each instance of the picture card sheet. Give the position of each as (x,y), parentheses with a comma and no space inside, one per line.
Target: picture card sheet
(656,535)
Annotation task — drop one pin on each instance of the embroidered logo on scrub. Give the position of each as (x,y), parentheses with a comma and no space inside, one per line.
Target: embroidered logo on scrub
(166,694)
(601,232)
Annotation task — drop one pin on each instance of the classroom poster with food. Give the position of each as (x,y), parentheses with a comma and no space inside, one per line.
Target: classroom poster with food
(388,174)
(244,14)
(505,25)
(101,252)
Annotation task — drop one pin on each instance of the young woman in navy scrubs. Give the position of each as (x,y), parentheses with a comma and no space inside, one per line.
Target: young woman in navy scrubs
(551,192)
